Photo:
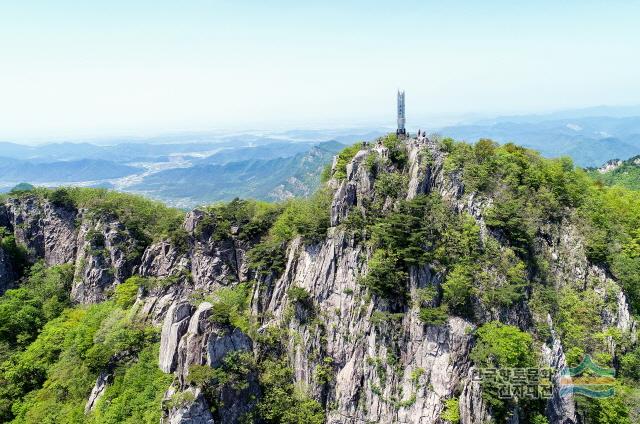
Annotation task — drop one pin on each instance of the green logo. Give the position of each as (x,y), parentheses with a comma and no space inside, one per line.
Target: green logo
(588,379)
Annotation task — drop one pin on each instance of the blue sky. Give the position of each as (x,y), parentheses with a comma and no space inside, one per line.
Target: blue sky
(76,69)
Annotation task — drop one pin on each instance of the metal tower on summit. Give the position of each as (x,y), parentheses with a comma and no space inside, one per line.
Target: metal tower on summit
(400,130)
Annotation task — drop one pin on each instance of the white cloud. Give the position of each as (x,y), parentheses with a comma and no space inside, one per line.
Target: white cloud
(574,127)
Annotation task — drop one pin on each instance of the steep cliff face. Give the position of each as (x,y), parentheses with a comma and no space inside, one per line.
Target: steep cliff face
(362,357)
(105,258)
(46,230)
(7,274)
(428,363)
(398,370)
(560,407)
(102,249)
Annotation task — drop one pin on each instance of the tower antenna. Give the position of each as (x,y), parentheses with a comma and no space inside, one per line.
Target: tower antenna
(401,118)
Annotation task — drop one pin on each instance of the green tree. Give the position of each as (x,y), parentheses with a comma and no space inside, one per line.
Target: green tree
(451,411)
(135,396)
(457,289)
(344,158)
(42,297)
(281,403)
(502,346)
(125,293)
(385,277)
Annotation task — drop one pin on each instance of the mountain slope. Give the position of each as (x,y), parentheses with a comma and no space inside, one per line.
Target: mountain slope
(269,151)
(587,140)
(377,299)
(184,175)
(62,171)
(617,172)
(265,179)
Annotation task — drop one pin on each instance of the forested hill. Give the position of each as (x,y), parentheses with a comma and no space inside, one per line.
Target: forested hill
(374,300)
(618,172)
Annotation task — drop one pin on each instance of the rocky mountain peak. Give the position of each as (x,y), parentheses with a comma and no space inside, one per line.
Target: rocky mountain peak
(368,302)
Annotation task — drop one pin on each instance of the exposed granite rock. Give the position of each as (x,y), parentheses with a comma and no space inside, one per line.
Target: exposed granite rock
(175,324)
(207,343)
(425,169)
(561,406)
(106,257)
(26,215)
(193,346)
(354,189)
(220,343)
(329,272)
(623,319)
(358,347)
(391,370)
(162,260)
(473,409)
(7,274)
(192,220)
(210,263)
(189,412)
(611,165)
(46,230)
(104,379)
(155,303)
(568,266)
(59,234)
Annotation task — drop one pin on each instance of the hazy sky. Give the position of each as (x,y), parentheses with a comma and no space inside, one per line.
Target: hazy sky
(99,68)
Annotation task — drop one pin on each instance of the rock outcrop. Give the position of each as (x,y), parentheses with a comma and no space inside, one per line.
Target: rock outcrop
(210,262)
(473,409)
(47,231)
(106,257)
(193,409)
(175,325)
(98,390)
(205,342)
(7,273)
(59,233)
(401,378)
(561,406)
(191,338)
(103,250)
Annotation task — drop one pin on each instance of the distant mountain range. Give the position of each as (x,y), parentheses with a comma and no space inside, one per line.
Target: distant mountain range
(62,171)
(182,174)
(270,178)
(586,112)
(590,141)
(194,168)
